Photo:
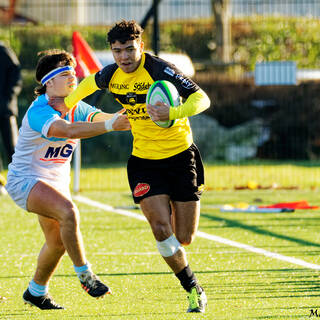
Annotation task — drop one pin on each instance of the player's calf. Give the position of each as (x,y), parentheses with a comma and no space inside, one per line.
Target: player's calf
(188,280)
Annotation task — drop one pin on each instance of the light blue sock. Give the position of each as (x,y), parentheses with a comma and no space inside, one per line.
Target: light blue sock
(37,290)
(82,269)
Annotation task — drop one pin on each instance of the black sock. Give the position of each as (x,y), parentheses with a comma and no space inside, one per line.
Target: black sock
(187,278)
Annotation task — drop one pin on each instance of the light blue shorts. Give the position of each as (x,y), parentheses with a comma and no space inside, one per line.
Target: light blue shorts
(19,188)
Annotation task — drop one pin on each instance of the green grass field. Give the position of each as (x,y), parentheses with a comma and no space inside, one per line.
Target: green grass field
(240,284)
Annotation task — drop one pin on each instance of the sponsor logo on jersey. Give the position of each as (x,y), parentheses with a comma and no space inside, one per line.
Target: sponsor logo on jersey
(119,86)
(64,152)
(141,86)
(131,98)
(141,189)
(136,111)
(169,71)
(139,118)
(186,83)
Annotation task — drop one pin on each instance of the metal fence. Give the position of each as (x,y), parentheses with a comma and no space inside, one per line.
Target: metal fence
(272,115)
(106,12)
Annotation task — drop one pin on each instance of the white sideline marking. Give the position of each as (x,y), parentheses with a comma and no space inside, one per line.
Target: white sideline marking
(109,208)
(266,253)
(204,235)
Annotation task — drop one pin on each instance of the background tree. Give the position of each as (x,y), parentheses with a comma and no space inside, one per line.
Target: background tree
(7,13)
(221,10)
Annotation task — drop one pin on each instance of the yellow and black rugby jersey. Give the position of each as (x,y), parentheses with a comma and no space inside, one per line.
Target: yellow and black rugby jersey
(130,89)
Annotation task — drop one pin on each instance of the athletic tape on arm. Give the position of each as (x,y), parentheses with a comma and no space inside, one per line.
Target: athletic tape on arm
(109,123)
(169,247)
(196,103)
(84,89)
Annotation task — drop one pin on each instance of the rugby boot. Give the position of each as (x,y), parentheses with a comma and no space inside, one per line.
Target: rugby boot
(92,285)
(43,302)
(197,300)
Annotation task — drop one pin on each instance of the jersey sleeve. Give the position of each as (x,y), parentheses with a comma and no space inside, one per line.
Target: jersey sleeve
(86,112)
(85,88)
(40,118)
(162,70)
(104,76)
(197,102)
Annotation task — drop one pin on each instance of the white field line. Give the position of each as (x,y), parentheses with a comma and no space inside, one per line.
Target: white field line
(204,235)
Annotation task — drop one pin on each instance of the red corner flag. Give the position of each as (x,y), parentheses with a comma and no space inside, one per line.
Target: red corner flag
(87,62)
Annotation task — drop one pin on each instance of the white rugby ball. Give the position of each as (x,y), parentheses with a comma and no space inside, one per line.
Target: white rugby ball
(163,91)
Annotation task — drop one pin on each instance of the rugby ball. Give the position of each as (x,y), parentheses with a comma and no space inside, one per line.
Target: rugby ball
(163,91)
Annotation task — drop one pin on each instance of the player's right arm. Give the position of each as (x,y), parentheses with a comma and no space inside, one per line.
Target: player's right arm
(87,86)
(64,129)
(79,130)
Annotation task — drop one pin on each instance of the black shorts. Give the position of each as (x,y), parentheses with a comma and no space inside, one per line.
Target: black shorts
(180,176)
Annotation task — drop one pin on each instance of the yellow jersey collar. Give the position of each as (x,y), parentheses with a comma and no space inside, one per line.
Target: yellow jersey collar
(141,65)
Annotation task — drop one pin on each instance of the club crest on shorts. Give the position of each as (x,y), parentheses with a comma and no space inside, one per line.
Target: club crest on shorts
(141,189)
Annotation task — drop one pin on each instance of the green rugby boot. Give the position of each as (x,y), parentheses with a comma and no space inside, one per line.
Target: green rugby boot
(197,300)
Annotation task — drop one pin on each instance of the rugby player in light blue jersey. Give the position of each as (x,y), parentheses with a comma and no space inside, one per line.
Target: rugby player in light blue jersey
(39,174)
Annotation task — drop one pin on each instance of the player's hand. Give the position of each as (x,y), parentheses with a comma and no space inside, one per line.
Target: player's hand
(159,111)
(57,103)
(121,122)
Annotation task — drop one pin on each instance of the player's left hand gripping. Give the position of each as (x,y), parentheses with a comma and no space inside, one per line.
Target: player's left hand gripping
(159,111)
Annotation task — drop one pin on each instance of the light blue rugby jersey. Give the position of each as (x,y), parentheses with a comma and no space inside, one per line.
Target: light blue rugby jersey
(37,155)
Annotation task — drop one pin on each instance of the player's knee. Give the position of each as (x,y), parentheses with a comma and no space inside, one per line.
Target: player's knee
(70,214)
(161,230)
(185,239)
(169,247)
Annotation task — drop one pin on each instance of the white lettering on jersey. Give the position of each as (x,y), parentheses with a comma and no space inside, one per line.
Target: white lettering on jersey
(186,83)
(169,71)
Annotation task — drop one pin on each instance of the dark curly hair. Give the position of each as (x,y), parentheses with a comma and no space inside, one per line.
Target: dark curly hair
(125,30)
(51,59)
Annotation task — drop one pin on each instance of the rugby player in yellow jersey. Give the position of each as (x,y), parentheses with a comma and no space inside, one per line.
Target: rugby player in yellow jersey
(165,169)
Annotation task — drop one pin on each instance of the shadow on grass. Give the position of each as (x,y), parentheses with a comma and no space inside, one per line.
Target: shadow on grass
(121,314)
(21,313)
(297,316)
(217,272)
(247,289)
(229,223)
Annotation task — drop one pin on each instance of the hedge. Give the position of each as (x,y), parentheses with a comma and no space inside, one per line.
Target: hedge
(255,38)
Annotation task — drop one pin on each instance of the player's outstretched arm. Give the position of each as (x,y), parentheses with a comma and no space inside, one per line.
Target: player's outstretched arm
(84,89)
(101,116)
(80,130)
(121,124)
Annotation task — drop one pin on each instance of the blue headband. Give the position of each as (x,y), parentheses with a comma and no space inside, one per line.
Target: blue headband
(54,73)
